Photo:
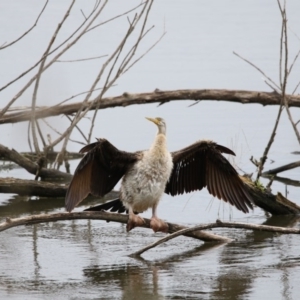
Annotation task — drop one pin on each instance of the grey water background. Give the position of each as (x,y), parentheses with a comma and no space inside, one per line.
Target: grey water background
(89,259)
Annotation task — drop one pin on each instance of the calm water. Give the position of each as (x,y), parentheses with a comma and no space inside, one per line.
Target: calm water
(89,259)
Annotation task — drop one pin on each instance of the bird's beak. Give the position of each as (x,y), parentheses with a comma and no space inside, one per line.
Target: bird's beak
(155,121)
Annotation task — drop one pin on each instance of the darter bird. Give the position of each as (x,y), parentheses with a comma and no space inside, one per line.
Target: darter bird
(146,175)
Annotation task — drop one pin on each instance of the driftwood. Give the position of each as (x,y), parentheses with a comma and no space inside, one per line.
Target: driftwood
(114,217)
(157,96)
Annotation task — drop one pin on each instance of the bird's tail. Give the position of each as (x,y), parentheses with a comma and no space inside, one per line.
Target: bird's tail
(115,205)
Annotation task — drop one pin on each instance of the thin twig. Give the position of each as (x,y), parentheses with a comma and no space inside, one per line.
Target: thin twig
(59,133)
(81,59)
(145,53)
(295,89)
(27,31)
(130,54)
(115,17)
(257,68)
(38,77)
(19,94)
(40,132)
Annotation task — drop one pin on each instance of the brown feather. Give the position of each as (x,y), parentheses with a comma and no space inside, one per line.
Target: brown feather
(203,165)
(98,172)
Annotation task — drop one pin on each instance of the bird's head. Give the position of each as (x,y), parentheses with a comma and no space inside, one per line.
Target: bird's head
(161,124)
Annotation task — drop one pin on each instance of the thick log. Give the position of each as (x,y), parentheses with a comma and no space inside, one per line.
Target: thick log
(23,187)
(158,96)
(274,204)
(31,166)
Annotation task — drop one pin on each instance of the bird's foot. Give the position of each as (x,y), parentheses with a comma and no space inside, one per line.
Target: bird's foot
(134,221)
(158,225)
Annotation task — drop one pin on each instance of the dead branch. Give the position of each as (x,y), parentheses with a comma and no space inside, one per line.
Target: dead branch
(30,166)
(158,96)
(217,225)
(80,59)
(32,187)
(93,15)
(128,57)
(24,187)
(39,74)
(54,50)
(282,168)
(274,204)
(284,180)
(259,70)
(110,217)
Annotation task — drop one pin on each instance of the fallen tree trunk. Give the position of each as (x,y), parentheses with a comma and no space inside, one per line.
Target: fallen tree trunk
(23,187)
(158,96)
(274,204)
(31,166)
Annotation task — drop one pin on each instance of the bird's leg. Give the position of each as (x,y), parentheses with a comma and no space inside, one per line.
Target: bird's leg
(133,220)
(157,224)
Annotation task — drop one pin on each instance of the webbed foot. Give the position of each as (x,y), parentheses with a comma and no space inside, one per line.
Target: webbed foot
(158,225)
(134,221)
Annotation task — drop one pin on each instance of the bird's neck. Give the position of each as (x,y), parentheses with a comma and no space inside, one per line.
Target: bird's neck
(159,145)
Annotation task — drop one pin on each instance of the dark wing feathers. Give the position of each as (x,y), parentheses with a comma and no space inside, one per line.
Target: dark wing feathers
(203,165)
(115,205)
(98,172)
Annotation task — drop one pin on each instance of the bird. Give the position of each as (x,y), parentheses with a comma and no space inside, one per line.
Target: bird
(147,175)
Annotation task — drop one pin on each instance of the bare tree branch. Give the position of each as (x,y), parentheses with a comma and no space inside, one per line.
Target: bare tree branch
(30,166)
(3,111)
(282,168)
(258,69)
(38,76)
(158,96)
(81,59)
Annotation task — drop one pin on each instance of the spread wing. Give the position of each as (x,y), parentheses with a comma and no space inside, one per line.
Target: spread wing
(202,165)
(98,172)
